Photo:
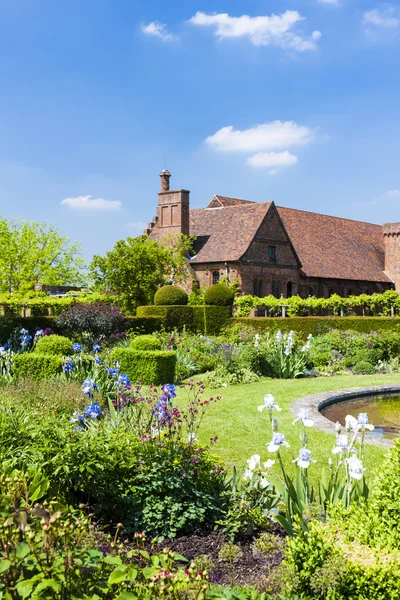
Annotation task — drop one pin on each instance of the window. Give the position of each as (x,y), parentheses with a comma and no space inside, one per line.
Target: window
(215,277)
(276,289)
(272,253)
(258,288)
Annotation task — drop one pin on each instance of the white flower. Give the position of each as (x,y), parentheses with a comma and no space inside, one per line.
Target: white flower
(2,350)
(338,427)
(247,475)
(191,438)
(304,416)
(342,444)
(268,464)
(304,458)
(263,483)
(279,335)
(363,424)
(309,337)
(269,403)
(224,384)
(355,467)
(278,439)
(351,423)
(254,462)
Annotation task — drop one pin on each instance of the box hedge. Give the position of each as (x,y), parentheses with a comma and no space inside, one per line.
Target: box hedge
(204,319)
(145,342)
(37,365)
(303,326)
(53,344)
(148,366)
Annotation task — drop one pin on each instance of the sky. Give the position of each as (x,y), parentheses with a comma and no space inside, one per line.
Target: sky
(295,101)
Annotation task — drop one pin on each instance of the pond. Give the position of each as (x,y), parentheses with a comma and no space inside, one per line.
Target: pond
(383,412)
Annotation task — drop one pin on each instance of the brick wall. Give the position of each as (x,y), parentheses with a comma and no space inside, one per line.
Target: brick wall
(391,236)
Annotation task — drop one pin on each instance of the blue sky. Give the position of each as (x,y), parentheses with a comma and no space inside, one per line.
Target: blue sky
(295,101)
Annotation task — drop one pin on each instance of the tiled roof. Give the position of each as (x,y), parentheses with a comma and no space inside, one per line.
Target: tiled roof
(224,234)
(218,201)
(336,248)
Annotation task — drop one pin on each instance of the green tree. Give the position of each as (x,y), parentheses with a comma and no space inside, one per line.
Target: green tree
(136,267)
(32,253)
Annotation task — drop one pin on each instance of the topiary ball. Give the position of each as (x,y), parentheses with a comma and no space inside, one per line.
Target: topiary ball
(53,344)
(219,295)
(145,342)
(171,295)
(364,367)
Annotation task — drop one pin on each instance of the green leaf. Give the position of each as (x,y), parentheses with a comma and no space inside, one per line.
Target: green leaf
(48,584)
(179,557)
(148,572)
(5,564)
(119,575)
(21,550)
(112,560)
(127,596)
(24,588)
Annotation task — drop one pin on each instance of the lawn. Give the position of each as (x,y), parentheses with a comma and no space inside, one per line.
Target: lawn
(243,431)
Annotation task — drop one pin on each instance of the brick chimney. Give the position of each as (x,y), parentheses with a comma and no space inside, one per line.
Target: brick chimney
(173,208)
(391,236)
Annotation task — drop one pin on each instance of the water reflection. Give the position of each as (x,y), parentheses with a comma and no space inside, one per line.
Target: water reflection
(383,412)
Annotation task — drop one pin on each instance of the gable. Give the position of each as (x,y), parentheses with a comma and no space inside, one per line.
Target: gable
(271,233)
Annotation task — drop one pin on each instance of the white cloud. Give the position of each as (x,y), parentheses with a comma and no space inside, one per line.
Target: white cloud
(276,135)
(382,18)
(92,204)
(159,30)
(393,193)
(275,30)
(270,160)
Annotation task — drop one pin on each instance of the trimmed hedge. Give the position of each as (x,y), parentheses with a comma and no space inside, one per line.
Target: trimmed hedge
(148,366)
(145,342)
(204,319)
(37,365)
(219,295)
(53,344)
(171,295)
(318,325)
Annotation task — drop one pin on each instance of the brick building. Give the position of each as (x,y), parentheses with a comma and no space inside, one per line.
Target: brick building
(279,251)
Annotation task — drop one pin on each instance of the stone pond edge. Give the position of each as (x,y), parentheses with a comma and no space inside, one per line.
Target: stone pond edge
(316,402)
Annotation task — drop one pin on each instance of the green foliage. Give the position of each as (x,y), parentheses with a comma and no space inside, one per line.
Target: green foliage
(37,365)
(219,295)
(137,267)
(32,253)
(204,319)
(364,367)
(323,563)
(145,342)
(303,326)
(144,325)
(53,344)
(148,366)
(170,295)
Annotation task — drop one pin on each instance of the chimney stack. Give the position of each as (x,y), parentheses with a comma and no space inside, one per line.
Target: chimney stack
(165,175)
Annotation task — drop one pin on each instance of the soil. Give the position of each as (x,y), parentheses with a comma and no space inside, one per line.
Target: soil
(248,569)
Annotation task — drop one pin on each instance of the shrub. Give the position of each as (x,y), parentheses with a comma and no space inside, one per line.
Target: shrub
(145,342)
(219,295)
(97,318)
(171,295)
(36,365)
(53,344)
(150,367)
(203,319)
(364,367)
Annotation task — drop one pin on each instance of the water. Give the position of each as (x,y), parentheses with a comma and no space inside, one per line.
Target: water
(383,412)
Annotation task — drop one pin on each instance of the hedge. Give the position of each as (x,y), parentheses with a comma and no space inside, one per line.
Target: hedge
(53,344)
(135,324)
(37,365)
(317,325)
(145,342)
(148,366)
(171,295)
(203,319)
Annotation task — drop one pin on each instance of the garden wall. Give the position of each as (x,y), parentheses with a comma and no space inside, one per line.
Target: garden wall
(317,325)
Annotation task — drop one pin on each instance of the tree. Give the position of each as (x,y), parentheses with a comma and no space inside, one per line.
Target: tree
(32,253)
(136,267)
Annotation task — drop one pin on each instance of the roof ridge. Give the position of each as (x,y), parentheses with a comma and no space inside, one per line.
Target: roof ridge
(311,212)
(235,206)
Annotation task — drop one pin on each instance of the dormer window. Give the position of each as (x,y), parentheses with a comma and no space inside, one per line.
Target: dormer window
(272,253)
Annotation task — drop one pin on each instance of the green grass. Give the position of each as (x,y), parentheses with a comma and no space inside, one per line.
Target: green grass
(242,430)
